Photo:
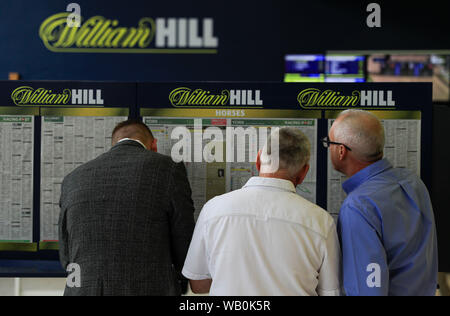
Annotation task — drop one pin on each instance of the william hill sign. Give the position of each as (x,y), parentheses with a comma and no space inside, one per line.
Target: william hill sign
(186,97)
(313,98)
(28,96)
(98,34)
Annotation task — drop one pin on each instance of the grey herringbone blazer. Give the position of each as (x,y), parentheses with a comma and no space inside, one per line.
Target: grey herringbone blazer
(127,221)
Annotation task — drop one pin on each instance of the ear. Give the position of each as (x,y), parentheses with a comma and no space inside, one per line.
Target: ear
(342,152)
(258,161)
(113,140)
(302,174)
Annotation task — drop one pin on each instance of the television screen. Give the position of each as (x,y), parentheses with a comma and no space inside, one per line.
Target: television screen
(304,68)
(344,68)
(412,68)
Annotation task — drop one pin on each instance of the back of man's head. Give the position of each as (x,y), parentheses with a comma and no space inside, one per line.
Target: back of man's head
(293,152)
(133,129)
(362,132)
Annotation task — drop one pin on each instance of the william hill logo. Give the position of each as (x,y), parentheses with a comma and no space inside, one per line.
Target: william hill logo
(313,98)
(185,97)
(28,96)
(99,34)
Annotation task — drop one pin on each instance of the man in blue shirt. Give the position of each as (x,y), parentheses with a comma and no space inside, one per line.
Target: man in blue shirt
(386,224)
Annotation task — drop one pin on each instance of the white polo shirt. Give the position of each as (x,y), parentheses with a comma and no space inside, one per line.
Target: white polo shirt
(264,240)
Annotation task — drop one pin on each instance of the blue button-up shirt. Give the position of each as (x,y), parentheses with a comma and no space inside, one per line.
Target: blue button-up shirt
(387,232)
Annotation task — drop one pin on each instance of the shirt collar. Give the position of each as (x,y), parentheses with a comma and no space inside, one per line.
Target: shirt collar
(281,184)
(135,140)
(365,174)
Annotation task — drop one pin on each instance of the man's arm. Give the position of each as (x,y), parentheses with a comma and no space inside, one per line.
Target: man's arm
(196,266)
(182,216)
(330,271)
(200,286)
(365,269)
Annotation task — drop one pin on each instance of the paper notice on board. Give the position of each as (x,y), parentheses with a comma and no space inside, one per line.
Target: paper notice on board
(211,179)
(16,178)
(402,149)
(67,143)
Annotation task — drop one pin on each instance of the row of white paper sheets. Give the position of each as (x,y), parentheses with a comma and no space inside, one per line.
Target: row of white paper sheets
(68,142)
(16,178)
(236,173)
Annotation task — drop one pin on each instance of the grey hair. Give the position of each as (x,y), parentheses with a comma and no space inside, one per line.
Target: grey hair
(294,151)
(362,132)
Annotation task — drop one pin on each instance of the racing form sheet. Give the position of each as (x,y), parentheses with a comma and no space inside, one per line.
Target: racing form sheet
(226,161)
(16,178)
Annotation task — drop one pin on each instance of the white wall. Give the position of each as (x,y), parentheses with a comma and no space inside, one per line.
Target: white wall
(55,286)
(36,287)
(6,287)
(32,286)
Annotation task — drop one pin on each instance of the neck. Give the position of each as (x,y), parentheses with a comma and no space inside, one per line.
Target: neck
(278,175)
(133,139)
(355,166)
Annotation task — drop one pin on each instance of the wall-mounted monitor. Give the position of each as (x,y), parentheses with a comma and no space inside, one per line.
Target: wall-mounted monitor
(304,68)
(412,67)
(344,68)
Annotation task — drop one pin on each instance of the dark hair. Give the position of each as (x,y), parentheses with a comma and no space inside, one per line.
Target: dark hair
(144,128)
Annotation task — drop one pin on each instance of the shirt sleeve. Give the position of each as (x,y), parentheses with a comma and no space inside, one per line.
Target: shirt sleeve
(365,269)
(329,274)
(196,265)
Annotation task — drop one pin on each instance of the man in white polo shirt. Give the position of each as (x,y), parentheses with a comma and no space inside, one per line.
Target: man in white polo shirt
(265,239)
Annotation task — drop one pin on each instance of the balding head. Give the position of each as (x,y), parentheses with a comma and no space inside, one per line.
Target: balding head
(362,132)
(133,129)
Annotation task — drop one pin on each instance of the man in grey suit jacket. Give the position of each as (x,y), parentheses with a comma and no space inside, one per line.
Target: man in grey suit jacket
(127,219)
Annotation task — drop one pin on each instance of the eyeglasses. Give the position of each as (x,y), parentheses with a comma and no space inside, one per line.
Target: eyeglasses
(326,143)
